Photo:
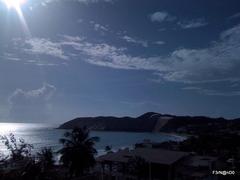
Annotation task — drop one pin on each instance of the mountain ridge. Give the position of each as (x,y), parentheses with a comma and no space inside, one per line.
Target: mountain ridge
(154,122)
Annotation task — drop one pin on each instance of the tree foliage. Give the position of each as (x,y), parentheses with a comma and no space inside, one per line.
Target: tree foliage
(17,148)
(78,151)
(46,158)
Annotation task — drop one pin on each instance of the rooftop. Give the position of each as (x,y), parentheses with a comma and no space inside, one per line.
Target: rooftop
(158,156)
(199,161)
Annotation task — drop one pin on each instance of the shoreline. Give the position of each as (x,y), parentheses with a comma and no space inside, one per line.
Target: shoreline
(173,134)
(177,135)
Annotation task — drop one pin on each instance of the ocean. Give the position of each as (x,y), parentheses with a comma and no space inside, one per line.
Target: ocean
(45,135)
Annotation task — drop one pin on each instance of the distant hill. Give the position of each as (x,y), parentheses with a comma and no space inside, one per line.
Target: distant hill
(155,122)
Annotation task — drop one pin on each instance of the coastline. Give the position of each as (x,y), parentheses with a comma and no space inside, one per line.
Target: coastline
(177,135)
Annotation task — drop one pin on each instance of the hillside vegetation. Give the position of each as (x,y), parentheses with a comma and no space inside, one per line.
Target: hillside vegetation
(156,122)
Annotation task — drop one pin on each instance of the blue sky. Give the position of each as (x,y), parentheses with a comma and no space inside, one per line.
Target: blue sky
(65,58)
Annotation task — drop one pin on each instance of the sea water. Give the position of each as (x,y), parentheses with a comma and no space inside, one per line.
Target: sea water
(46,135)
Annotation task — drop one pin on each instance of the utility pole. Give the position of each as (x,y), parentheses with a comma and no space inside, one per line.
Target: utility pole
(150,171)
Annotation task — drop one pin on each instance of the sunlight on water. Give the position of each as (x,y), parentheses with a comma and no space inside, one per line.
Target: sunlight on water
(6,128)
(45,135)
(40,135)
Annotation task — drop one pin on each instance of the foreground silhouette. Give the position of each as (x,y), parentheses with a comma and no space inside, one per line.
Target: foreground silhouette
(78,151)
(77,156)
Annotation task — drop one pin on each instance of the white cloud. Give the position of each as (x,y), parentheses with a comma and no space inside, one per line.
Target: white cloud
(161,16)
(31,105)
(102,29)
(44,47)
(159,43)
(215,63)
(107,55)
(99,27)
(211,92)
(44,2)
(135,41)
(71,39)
(196,23)
(237,15)
(10,57)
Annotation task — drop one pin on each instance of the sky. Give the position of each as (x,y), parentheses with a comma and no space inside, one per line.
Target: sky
(61,59)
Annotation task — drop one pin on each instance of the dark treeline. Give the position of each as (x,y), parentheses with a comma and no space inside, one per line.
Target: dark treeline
(77,157)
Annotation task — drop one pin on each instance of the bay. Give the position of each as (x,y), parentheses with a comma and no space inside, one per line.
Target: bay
(47,135)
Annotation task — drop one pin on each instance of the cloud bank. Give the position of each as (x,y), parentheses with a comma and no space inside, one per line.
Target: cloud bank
(32,105)
(215,63)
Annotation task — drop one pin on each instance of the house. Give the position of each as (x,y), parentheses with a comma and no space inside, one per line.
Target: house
(161,163)
(197,167)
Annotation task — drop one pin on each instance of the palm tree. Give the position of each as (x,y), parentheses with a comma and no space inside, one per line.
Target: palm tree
(78,151)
